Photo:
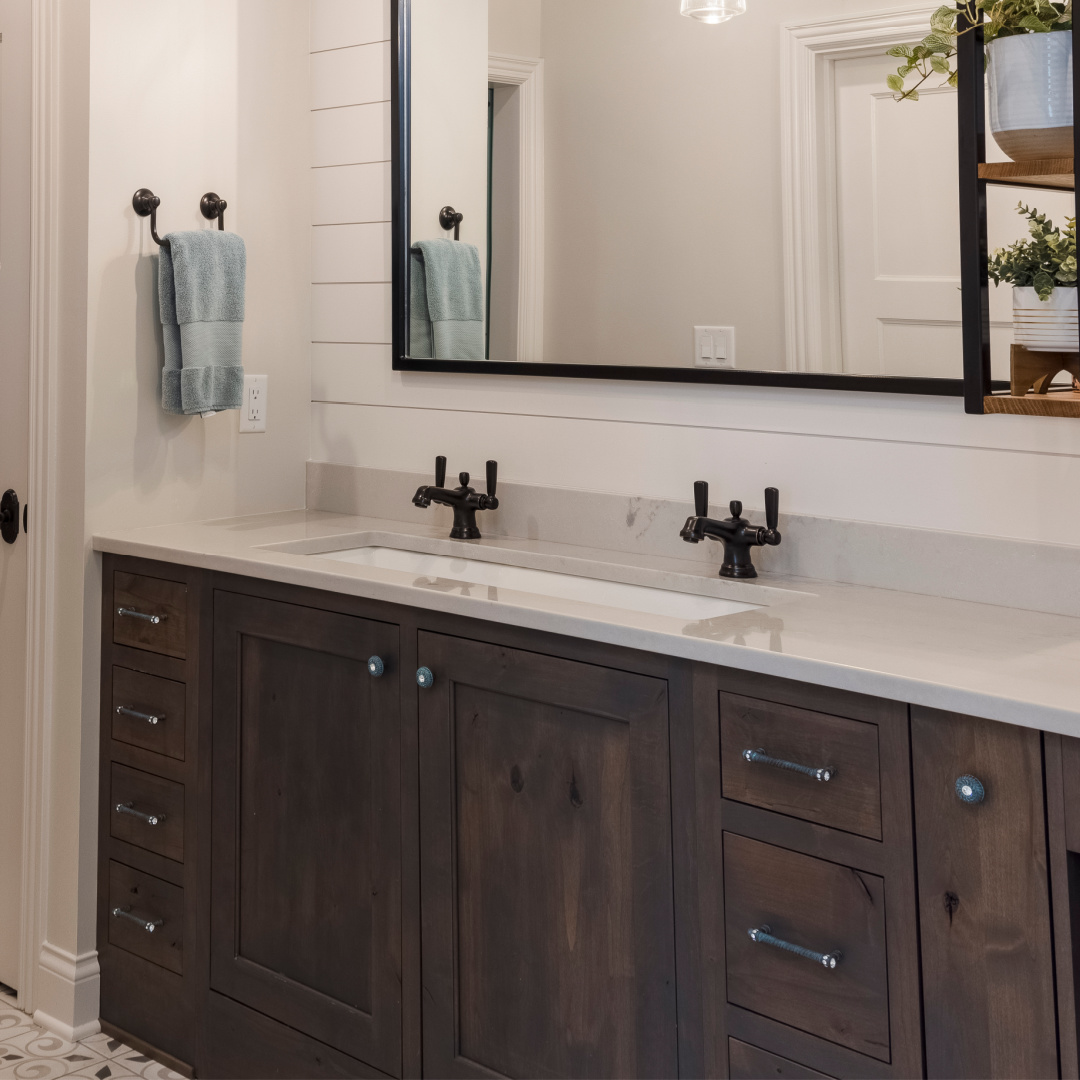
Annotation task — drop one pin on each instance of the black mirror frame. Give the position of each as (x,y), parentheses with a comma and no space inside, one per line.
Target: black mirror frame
(401,155)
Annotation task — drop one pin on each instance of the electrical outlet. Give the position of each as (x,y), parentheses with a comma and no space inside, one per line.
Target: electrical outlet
(253,410)
(714,346)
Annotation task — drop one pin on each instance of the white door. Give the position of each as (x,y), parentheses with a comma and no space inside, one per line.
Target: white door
(14,397)
(898,228)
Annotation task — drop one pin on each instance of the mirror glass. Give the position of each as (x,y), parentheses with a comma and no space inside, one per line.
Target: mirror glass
(631,186)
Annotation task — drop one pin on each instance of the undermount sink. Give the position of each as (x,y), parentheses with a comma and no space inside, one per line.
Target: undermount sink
(440,570)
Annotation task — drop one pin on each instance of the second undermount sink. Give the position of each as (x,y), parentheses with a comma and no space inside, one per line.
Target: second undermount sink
(447,570)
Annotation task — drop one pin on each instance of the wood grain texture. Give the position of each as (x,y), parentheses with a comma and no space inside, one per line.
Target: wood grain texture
(1064,403)
(150,596)
(546,858)
(820,906)
(151,899)
(988,991)
(748,1062)
(148,794)
(305,906)
(1055,171)
(1070,779)
(1030,369)
(850,800)
(154,696)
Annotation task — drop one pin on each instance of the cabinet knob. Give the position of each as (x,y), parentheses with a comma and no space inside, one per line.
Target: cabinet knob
(424,678)
(375,666)
(969,789)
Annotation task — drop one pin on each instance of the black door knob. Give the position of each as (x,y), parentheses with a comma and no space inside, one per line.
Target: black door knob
(9,517)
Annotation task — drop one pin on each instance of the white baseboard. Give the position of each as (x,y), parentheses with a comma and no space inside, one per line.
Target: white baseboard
(68,992)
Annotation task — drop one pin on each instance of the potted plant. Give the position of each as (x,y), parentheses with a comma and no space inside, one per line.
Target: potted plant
(1029,60)
(1042,272)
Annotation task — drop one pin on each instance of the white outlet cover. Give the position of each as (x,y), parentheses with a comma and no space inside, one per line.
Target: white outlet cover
(253,407)
(714,346)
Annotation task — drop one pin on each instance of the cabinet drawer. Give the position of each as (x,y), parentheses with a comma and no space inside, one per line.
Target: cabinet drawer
(138,902)
(746,1062)
(149,712)
(155,614)
(819,906)
(153,814)
(850,799)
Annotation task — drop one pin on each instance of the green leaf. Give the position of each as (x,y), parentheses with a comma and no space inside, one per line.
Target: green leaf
(954,79)
(894,82)
(900,50)
(943,19)
(1033,24)
(940,65)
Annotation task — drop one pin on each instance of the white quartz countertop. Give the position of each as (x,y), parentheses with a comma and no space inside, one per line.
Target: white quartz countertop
(1001,663)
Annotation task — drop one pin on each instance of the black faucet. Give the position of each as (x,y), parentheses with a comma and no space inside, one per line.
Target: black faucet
(736,533)
(464,499)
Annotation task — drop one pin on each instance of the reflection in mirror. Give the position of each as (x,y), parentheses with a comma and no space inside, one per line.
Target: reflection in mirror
(632,187)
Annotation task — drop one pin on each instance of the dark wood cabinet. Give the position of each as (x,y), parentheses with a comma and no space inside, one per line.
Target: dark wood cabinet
(305,883)
(547,859)
(545,824)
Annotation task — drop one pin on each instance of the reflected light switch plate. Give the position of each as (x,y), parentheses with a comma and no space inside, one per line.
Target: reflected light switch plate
(714,346)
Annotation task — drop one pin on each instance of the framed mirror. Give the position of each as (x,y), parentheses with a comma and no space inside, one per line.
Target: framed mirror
(612,189)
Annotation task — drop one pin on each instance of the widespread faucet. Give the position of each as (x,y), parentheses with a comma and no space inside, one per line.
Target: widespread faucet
(464,500)
(736,533)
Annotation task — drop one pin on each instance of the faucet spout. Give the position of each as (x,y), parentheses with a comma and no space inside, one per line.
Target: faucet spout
(463,500)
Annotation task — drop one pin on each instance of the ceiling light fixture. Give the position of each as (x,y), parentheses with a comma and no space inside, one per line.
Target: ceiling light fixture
(713,11)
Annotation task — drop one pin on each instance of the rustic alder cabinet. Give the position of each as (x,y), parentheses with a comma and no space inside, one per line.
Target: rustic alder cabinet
(341,838)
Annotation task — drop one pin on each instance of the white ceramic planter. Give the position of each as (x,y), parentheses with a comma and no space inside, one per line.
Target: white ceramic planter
(1031,94)
(1046,326)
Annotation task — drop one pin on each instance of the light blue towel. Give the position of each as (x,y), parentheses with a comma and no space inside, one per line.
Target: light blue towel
(446,301)
(201,295)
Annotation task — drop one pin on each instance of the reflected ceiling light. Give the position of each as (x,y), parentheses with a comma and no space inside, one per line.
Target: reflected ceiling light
(713,11)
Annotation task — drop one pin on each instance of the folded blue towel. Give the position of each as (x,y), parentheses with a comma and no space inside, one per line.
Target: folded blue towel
(201,295)
(446,301)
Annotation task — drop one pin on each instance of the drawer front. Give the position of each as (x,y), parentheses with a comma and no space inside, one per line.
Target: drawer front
(153,812)
(138,901)
(850,799)
(746,1062)
(816,905)
(155,614)
(149,712)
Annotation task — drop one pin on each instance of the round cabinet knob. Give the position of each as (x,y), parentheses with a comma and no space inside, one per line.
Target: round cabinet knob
(424,678)
(375,666)
(969,789)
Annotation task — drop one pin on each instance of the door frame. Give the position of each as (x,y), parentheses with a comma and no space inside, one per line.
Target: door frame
(44,467)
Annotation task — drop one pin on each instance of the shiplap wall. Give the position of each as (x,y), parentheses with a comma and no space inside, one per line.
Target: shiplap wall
(893,459)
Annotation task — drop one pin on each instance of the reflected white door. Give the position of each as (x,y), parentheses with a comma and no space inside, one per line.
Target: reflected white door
(898,228)
(14,396)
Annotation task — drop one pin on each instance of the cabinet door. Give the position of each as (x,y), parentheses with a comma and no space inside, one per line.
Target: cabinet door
(305,891)
(984,906)
(546,874)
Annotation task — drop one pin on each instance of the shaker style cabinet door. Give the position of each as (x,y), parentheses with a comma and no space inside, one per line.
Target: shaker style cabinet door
(305,894)
(546,867)
(984,904)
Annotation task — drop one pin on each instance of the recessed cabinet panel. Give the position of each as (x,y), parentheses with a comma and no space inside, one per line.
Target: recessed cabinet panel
(548,926)
(984,906)
(305,830)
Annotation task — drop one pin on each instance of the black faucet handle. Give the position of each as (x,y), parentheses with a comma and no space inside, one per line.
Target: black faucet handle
(492,477)
(772,508)
(701,498)
(736,508)
(463,479)
(440,471)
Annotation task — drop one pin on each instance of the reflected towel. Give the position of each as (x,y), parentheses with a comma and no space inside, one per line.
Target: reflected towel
(201,279)
(446,300)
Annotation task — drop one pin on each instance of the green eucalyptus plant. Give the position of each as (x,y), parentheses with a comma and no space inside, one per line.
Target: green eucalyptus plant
(1003,18)
(1043,261)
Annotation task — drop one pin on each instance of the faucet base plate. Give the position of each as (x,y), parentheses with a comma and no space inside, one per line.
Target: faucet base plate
(463,532)
(731,570)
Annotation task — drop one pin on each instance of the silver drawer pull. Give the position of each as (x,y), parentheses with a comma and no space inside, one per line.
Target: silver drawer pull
(761,935)
(131,613)
(760,757)
(150,718)
(149,925)
(129,808)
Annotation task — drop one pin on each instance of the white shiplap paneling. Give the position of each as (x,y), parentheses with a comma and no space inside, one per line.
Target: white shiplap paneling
(349,253)
(351,313)
(355,76)
(337,24)
(345,194)
(350,136)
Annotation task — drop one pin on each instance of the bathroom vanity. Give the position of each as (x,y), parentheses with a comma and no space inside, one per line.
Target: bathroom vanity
(360,822)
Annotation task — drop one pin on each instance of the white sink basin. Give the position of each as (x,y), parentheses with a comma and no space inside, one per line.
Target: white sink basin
(439,570)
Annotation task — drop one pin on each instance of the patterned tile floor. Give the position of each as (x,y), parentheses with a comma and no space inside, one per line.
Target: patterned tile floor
(28,1053)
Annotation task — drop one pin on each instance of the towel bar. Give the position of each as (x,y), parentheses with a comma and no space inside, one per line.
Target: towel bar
(145,203)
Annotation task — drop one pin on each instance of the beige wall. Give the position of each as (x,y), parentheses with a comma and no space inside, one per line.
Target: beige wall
(515,27)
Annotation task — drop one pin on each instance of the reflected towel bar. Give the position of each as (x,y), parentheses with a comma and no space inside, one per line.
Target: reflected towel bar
(145,203)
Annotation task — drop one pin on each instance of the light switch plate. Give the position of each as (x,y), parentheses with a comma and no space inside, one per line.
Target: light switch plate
(714,346)
(253,409)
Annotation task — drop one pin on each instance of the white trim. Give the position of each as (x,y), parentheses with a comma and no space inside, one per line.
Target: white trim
(528,74)
(75,987)
(42,469)
(808,163)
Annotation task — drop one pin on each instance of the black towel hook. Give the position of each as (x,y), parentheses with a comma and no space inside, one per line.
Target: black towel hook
(213,206)
(449,218)
(145,203)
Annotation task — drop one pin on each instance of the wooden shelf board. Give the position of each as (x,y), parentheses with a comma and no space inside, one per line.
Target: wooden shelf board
(1046,172)
(1055,403)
